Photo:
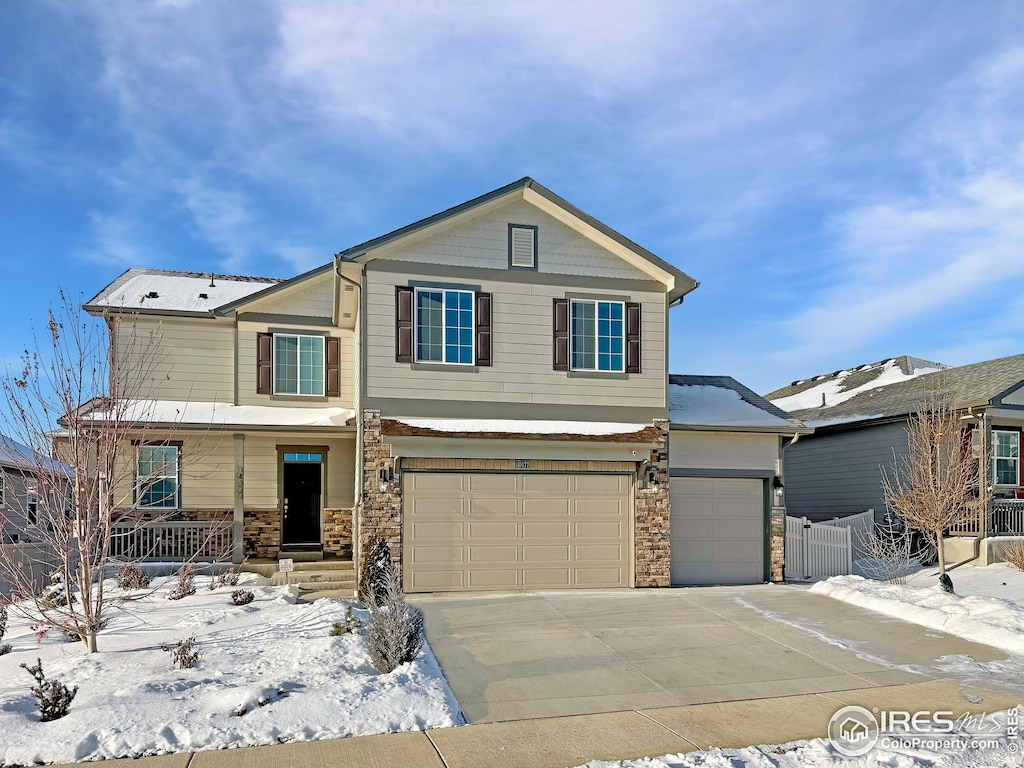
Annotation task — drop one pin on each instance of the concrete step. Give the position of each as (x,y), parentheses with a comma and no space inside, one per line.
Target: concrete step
(337,579)
(268,568)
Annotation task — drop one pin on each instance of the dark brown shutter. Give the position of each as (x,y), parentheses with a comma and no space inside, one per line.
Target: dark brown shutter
(264,363)
(403,325)
(483,328)
(560,329)
(333,370)
(632,338)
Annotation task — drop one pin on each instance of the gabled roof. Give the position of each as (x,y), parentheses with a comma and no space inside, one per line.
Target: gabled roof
(722,403)
(530,190)
(967,385)
(161,291)
(17,456)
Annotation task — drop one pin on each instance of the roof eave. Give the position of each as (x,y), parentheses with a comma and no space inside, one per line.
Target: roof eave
(780,430)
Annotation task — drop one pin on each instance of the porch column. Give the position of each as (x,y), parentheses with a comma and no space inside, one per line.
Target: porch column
(238,525)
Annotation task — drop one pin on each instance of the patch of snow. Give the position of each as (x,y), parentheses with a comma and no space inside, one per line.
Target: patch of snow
(525,426)
(833,392)
(180,292)
(268,673)
(220,414)
(717,406)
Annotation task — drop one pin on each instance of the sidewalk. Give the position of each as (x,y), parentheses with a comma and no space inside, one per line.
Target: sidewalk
(562,742)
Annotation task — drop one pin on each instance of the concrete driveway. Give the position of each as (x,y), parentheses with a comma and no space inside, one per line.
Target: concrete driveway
(520,656)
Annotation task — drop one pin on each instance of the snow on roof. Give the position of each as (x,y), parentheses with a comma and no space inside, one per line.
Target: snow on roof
(836,388)
(221,414)
(14,454)
(718,401)
(525,426)
(177,291)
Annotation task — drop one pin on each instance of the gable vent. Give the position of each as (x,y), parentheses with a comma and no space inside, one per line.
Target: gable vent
(522,247)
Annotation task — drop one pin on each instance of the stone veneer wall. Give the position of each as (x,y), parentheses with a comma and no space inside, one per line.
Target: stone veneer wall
(652,531)
(338,532)
(262,533)
(778,544)
(380,513)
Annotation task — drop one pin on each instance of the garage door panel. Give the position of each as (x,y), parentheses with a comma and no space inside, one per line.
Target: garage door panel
(691,551)
(734,529)
(468,530)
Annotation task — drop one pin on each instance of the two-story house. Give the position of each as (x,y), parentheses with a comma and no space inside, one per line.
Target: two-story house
(486,388)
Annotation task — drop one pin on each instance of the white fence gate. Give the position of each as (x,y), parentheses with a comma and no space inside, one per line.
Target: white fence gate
(862,528)
(816,550)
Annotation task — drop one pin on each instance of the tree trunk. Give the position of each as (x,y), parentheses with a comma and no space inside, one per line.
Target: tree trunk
(90,641)
(941,553)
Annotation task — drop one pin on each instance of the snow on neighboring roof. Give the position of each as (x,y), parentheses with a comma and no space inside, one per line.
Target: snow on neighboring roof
(840,386)
(177,291)
(525,426)
(221,414)
(14,454)
(721,401)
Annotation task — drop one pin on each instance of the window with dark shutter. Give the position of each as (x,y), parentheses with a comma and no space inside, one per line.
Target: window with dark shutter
(560,332)
(264,363)
(332,370)
(483,328)
(632,337)
(403,324)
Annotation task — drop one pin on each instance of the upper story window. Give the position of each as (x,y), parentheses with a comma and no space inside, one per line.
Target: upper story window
(1006,457)
(444,326)
(32,505)
(156,476)
(3,489)
(298,365)
(598,335)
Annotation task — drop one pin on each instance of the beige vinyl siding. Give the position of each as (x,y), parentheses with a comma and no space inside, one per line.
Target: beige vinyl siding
(247,394)
(483,242)
(311,298)
(722,450)
(177,358)
(521,342)
(261,468)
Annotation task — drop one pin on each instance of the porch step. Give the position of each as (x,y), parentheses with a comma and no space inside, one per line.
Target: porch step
(318,578)
(268,568)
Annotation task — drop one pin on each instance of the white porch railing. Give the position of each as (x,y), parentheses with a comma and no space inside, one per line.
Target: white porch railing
(172,540)
(816,550)
(1008,517)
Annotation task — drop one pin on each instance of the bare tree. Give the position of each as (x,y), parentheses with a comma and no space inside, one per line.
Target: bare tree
(74,400)
(931,488)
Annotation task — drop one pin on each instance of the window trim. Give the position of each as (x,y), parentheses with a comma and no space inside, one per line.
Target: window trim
(177,445)
(32,503)
(275,335)
(996,458)
(416,291)
(511,230)
(3,489)
(572,336)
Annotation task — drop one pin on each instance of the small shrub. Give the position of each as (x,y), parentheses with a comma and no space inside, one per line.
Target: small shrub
(350,624)
(890,556)
(56,593)
(396,629)
(242,597)
(5,648)
(186,583)
(184,653)
(374,565)
(227,579)
(3,620)
(39,630)
(131,576)
(1013,552)
(54,698)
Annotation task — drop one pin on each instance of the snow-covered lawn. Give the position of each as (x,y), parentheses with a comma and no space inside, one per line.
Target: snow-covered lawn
(269,672)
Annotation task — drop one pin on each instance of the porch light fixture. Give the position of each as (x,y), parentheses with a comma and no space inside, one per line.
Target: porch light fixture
(777,485)
(652,479)
(384,474)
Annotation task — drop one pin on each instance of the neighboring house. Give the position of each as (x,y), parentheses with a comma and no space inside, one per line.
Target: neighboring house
(25,502)
(486,389)
(861,430)
(727,481)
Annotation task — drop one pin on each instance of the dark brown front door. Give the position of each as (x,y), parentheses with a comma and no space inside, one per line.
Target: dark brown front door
(302,487)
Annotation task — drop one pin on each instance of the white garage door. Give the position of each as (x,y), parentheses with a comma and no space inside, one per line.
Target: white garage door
(466,531)
(717,530)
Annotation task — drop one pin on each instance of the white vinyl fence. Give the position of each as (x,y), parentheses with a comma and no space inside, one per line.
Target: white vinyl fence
(817,550)
(862,528)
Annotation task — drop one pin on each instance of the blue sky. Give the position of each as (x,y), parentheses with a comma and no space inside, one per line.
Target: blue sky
(845,179)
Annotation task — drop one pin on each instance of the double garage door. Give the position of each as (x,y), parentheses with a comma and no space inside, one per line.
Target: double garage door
(479,531)
(718,530)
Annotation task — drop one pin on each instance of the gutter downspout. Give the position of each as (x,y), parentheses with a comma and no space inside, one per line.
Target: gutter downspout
(359,410)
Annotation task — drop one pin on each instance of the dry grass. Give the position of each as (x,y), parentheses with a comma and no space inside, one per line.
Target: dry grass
(1014,554)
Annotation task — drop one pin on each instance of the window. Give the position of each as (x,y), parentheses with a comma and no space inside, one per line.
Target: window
(309,458)
(1006,457)
(298,365)
(3,488)
(444,326)
(598,335)
(32,505)
(156,480)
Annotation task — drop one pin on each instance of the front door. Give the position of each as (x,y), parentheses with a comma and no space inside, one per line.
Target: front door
(302,486)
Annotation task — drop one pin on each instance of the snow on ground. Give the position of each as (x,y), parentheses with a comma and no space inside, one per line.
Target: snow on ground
(980,743)
(988,607)
(269,673)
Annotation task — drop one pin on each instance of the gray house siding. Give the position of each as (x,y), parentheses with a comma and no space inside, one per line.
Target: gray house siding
(839,474)
(14,524)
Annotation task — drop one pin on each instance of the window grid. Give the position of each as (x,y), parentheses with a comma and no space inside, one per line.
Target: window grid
(298,364)
(598,335)
(157,476)
(444,326)
(1006,457)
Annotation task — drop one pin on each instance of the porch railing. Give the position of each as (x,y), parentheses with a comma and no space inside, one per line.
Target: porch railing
(173,540)
(1008,517)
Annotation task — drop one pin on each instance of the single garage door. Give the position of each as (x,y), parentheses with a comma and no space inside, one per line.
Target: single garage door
(474,530)
(718,530)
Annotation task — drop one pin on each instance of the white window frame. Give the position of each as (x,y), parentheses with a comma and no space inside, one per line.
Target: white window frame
(997,458)
(3,489)
(32,504)
(298,364)
(444,327)
(140,480)
(572,336)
